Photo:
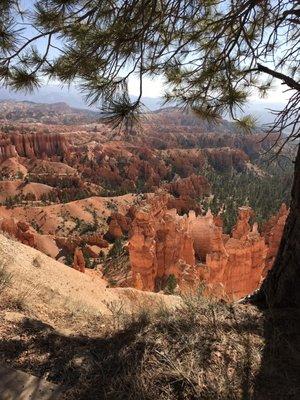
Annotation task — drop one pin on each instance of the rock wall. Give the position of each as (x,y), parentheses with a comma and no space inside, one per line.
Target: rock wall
(237,268)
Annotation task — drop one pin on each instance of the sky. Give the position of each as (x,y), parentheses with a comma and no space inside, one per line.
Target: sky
(153,89)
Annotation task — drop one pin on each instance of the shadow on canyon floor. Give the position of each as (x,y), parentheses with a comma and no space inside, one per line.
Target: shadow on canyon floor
(215,352)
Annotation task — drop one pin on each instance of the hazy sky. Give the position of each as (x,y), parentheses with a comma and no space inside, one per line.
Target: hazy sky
(155,88)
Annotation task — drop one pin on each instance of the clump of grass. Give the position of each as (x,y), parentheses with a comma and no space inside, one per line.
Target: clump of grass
(17,303)
(5,277)
(171,284)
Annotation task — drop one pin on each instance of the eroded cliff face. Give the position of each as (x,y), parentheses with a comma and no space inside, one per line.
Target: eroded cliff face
(32,145)
(236,269)
(194,250)
(160,246)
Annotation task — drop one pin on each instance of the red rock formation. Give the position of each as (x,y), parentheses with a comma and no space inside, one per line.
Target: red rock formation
(118,225)
(7,149)
(272,233)
(72,242)
(234,263)
(193,186)
(242,227)
(184,204)
(160,246)
(32,145)
(78,261)
(226,158)
(20,230)
(207,237)
(26,234)
(163,243)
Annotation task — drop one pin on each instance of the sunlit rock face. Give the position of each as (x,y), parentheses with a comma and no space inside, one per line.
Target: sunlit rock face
(238,269)
(20,230)
(78,261)
(234,263)
(206,235)
(32,145)
(161,246)
(195,250)
(118,225)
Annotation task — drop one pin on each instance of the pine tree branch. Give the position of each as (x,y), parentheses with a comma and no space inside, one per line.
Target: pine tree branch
(286,79)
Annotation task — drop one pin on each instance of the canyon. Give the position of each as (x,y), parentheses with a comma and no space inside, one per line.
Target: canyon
(141,210)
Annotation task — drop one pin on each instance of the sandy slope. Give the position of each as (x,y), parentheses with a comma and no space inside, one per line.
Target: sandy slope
(18,187)
(61,218)
(50,289)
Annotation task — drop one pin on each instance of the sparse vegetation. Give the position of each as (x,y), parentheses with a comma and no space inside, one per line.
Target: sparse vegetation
(171,284)
(116,249)
(87,259)
(68,259)
(202,350)
(5,277)
(116,265)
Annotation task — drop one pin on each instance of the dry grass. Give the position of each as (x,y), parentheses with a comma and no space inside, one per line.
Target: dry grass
(204,350)
(5,277)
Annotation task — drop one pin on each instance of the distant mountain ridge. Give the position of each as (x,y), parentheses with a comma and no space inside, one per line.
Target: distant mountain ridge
(63,113)
(52,93)
(59,112)
(185,119)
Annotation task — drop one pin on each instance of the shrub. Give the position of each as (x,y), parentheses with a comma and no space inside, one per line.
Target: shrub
(171,284)
(116,250)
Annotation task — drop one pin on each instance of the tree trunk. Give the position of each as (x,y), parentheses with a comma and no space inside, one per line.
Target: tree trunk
(281,287)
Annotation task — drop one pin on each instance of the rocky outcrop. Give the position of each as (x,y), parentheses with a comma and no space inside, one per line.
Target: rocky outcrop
(237,269)
(70,243)
(226,159)
(78,261)
(7,149)
(118,226)
(207,236)
(20,230)
(194,249)
(193,186)
(32,145)
(242,227)
(26,234)
(160,246)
